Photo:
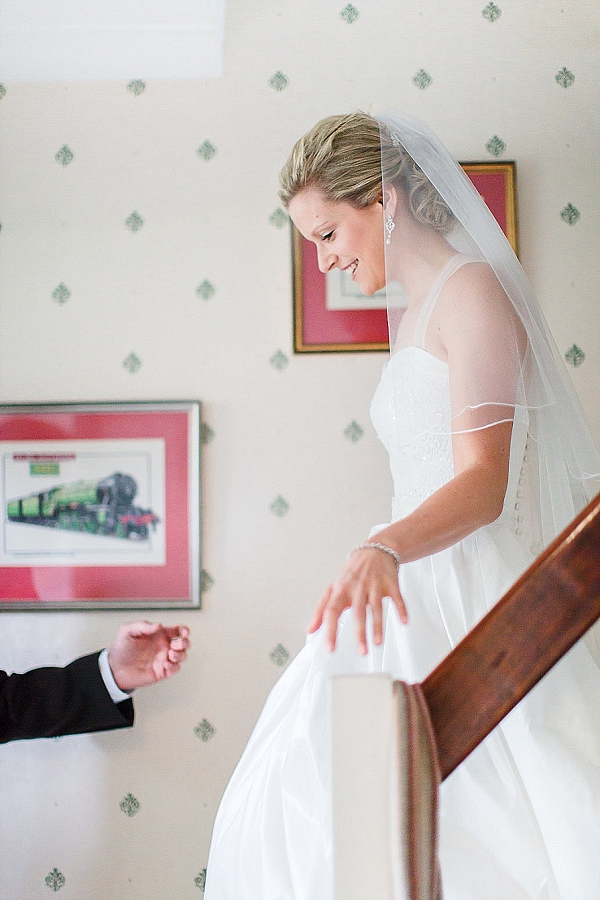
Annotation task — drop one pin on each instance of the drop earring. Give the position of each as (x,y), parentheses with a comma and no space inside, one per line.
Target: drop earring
(389,227)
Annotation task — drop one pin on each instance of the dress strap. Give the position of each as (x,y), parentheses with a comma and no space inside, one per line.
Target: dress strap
(449,268)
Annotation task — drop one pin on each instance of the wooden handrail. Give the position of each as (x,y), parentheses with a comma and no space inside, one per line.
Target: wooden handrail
(540,618)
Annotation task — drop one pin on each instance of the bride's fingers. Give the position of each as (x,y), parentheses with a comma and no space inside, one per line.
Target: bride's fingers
(376,605)
(317,616)
(360,620)
(330,622)
(398,602)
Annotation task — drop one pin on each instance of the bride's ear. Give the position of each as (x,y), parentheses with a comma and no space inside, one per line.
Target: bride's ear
(390,200)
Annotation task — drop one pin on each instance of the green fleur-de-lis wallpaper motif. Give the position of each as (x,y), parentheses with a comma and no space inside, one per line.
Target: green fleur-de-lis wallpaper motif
(278,81)
(575,356)
(353,432)
(206,290)
(422,79)
(565,78)
(204,730)
(206,581)
(134,222)
(279,218)
(349,14)
(206,151)
(491,12)
(136,87)
(55,880)
(279,507)
(279,655)
(2,92)
(200,880)
(130,805)
(61,293)
(64,156)
(495,146)
(206,433)
(279,360)
(570,214)
(132,363)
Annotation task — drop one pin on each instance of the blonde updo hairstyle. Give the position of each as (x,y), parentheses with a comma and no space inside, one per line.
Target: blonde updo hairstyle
(344,157)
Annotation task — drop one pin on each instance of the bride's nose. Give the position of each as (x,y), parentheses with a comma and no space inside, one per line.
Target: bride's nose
(325,258)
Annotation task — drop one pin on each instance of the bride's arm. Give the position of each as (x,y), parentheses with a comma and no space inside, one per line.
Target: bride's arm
(473,328)
(471,499)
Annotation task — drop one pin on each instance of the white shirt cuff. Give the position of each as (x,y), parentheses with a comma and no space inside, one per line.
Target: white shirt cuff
(107,676)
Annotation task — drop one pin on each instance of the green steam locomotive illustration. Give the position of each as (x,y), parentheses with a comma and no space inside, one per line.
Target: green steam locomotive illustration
(97,507)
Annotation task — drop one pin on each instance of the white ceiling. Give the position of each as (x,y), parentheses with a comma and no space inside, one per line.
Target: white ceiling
(66,40)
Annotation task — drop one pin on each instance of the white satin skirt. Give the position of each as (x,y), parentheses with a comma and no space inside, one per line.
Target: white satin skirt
(519,819)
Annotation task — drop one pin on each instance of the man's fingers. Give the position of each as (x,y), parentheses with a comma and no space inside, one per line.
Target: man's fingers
(170,668)
(138,629)
(180,642)
(177,632)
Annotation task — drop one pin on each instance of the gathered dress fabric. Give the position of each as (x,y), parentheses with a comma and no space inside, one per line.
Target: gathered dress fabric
(520,817)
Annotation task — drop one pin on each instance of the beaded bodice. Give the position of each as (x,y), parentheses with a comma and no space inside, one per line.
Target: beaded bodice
(410,411)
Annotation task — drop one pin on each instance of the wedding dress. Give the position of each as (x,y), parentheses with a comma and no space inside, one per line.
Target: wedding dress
(520,818)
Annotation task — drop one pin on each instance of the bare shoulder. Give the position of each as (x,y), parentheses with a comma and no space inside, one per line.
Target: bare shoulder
(471,300)
(474,283)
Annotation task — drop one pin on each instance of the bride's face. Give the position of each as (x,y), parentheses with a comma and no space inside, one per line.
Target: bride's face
(346,238)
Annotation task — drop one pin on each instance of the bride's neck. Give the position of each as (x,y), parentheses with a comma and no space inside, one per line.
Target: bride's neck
(415,259)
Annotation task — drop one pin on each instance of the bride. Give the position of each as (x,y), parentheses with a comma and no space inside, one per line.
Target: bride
(490,459)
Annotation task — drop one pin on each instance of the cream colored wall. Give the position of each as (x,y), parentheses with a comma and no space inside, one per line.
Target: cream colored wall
(277,431)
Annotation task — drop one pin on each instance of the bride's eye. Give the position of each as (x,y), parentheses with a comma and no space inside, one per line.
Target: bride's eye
(327,237)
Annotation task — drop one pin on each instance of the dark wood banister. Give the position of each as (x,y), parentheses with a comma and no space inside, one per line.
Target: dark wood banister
(540,618)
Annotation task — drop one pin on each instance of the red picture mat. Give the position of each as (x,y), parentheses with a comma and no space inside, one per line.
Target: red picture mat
(166,585)
(318,329)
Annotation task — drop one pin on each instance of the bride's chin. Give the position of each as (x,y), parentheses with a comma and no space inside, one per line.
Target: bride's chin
(371,289)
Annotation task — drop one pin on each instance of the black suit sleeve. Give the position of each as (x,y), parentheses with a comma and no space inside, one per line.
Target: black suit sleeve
(52,701)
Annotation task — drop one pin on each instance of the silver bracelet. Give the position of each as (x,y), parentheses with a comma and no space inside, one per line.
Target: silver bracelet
(374,545)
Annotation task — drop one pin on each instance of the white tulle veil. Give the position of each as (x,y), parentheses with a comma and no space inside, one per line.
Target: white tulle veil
(532,387)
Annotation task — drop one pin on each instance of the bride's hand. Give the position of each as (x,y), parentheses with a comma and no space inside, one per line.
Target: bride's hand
(368,576)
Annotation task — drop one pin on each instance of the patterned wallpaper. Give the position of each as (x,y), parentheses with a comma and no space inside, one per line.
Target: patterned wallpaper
(144,255)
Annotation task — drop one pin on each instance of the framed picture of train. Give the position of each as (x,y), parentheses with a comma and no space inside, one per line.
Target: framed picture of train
(100,505)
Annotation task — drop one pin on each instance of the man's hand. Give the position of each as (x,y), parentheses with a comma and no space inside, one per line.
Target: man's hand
(145,652)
